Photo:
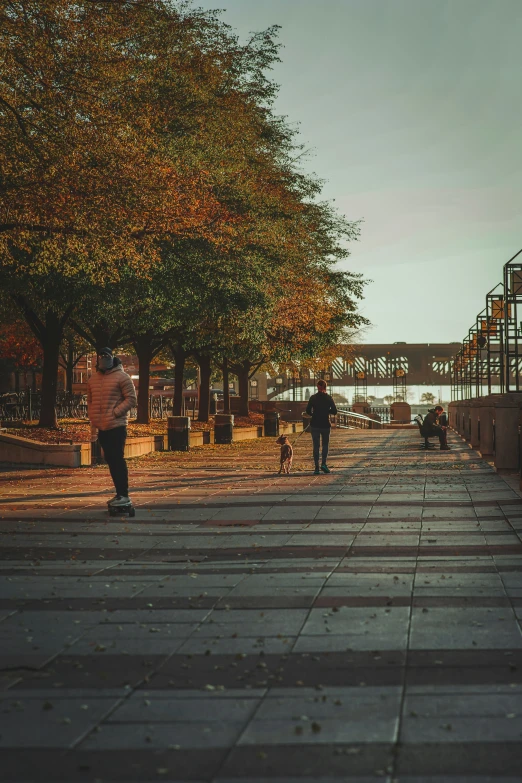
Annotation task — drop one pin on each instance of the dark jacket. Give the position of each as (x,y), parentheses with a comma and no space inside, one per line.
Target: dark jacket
(430,422)
(320,407)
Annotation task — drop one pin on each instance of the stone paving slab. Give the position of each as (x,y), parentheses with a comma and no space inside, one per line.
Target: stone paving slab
(362,626)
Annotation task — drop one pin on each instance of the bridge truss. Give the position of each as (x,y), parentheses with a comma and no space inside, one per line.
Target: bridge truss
(395,364)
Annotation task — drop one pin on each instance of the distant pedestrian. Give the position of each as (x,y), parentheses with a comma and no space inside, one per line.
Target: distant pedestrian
(320,407)
(110,396)
(431,426)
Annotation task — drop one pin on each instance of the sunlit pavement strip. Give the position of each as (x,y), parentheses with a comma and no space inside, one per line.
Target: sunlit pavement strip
(359,626)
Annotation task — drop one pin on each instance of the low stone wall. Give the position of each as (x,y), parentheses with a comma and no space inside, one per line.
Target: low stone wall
(31,452)
(288,427)
(247,433)
(491,424)
(24,451)
(201,438)
(137,447)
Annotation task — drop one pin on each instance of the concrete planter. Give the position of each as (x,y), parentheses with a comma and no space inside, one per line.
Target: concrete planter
(201,438)
(486,417)
(507,417)
(465,423)
(520,444)
(474,423)
(136,447)
(400,412)
(24,451)
(247,433)
(457,413)
(452,415)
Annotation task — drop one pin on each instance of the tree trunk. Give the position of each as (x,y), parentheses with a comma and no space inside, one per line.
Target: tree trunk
(179,359)
(242,377)
(49,331)
(144,352)
(226,387)
(204,388)
(69,369)
(51,356)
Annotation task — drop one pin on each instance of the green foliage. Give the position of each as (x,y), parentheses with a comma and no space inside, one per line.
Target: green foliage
(168,205)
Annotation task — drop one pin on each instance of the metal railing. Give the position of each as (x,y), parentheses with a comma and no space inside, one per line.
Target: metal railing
(26,405)
(383,412)
(160,407)
(350,420)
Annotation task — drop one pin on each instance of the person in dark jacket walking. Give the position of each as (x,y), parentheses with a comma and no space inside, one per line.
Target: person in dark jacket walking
(431,427)
(320,407)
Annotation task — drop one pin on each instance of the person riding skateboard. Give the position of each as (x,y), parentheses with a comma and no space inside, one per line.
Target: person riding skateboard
(110,396)
(431,427)
(320,407)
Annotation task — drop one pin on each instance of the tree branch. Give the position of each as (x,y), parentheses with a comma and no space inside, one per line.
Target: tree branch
(35,324)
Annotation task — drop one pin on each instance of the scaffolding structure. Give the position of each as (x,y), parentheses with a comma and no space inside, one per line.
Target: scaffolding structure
(400,391)
(490,359)
(361,386)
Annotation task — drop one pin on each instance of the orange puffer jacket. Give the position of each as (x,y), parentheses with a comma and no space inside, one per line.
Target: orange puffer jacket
(110,396)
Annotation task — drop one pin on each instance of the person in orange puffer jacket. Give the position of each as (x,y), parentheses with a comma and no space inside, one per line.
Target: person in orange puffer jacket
(110,396)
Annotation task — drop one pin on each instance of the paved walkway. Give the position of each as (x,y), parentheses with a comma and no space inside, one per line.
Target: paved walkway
(362,626)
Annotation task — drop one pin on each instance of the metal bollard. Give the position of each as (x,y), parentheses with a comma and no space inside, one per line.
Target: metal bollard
(271,424)
(178,433)
(223,428)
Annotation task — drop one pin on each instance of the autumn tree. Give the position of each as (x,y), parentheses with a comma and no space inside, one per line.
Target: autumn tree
(19,348)
(72,351)
(141,155)
(90,99)
(47,305)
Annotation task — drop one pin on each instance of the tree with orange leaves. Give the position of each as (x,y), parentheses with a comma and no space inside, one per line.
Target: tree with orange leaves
(19,346)
(303,328)
(99,153)
(123,126)
(132,131)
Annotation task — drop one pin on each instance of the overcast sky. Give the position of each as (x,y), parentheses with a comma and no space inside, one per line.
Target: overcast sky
(412,111)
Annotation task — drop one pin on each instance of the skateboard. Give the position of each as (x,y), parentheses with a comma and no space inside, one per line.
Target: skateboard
(117,511)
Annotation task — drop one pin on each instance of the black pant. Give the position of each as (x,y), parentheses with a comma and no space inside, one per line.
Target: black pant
(318,434)
(113,445)
(436,431)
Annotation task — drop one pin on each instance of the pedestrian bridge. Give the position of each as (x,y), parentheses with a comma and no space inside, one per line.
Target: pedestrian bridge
(380,365)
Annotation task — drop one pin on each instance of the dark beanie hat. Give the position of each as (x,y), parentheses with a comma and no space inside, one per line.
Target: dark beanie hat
(107,351)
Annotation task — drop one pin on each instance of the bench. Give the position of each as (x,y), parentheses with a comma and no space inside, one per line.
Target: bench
(418,421)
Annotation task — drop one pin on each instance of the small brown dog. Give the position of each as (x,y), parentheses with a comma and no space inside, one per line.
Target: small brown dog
(287,454)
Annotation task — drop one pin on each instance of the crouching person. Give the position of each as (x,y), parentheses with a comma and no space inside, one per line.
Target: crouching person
(110,396)
(431,426)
